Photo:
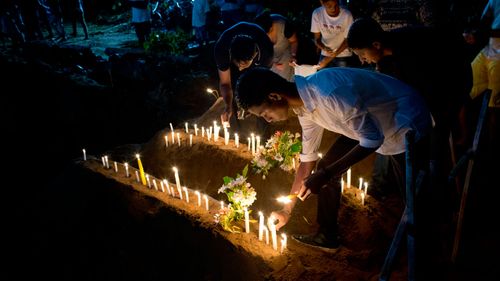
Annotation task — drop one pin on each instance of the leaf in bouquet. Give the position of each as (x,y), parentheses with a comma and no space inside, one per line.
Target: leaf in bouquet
(245,171)
(296,147)
(227,180)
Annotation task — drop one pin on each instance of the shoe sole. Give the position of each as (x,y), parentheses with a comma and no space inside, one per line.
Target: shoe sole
(324,249)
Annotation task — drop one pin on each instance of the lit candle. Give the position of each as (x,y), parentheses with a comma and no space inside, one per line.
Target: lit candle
(206,201)
(199,197)
(209,134)
(202,131)
(187,193)
(342,185)
(166,140)
(320,155)
(361,183)
(126,170)
(173,137)
(190,139)
(172,189)
(178,181)
(187,127)
(137,176)
(249,144)
(179,139)
(103,162)
(171,128)
(247,221)
(266,231)
(258,144)
(107,161)
(362,198)
(349,178)
(272,229)
(148,181)
(155,185)
(141,169)
(366,188)
(226,136)
(283,242)
(195,129)
(253,143)
(293,163)
(168,186)
(216,132)
(162,186)
(236,140)
(84,155)
(116,167)
(261,225)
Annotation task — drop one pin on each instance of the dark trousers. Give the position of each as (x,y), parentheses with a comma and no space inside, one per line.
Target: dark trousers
(142,30)
(329,196)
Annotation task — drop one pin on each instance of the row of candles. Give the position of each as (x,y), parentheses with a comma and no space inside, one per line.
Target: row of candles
(253,144)
(363,185)
(269,231)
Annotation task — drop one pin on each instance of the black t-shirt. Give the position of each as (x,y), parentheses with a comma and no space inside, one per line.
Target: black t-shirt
(221,49)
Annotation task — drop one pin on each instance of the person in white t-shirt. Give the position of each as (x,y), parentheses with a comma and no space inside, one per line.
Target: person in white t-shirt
(330,24)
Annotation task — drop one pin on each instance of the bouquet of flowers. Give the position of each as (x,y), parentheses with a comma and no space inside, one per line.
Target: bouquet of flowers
(240,195)
(281,150)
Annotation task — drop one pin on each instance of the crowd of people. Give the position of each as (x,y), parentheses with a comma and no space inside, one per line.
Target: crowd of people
(24,21)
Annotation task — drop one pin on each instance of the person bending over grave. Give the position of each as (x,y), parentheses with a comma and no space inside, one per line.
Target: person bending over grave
(371,112)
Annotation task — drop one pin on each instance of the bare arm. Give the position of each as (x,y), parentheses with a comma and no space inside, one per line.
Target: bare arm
(304,170)
(226,92)
(294,45)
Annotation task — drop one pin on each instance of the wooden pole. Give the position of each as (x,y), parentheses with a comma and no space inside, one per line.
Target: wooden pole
(463,201)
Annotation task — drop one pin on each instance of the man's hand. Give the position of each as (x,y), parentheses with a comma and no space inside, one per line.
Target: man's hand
(314,182)
(282,217)
(226,115)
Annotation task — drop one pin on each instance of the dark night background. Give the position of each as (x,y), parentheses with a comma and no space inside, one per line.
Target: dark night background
(51,109)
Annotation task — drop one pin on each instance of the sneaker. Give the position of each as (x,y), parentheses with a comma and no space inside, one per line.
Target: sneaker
(318,240)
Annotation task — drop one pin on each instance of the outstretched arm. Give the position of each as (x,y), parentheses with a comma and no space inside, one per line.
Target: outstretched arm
(283,215)
(315,181)
(226,91)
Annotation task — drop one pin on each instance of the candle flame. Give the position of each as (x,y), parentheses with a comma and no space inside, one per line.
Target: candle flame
(286,199)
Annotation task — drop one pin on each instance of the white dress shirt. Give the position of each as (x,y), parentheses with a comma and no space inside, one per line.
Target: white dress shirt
(373,108)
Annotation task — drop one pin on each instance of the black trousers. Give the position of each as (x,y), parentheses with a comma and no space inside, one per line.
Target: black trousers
(330,194)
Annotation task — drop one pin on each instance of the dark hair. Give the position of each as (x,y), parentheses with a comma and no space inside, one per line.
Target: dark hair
(242,47)
(363,32)
(264,20)
(255,85)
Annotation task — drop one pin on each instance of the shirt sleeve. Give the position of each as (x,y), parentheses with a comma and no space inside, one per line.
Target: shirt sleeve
(315,25)
(221,53)
(266,48)
(311,139)
(349,22)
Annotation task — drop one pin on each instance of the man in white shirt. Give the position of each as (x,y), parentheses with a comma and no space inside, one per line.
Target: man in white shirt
(371,111)
(329,25)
